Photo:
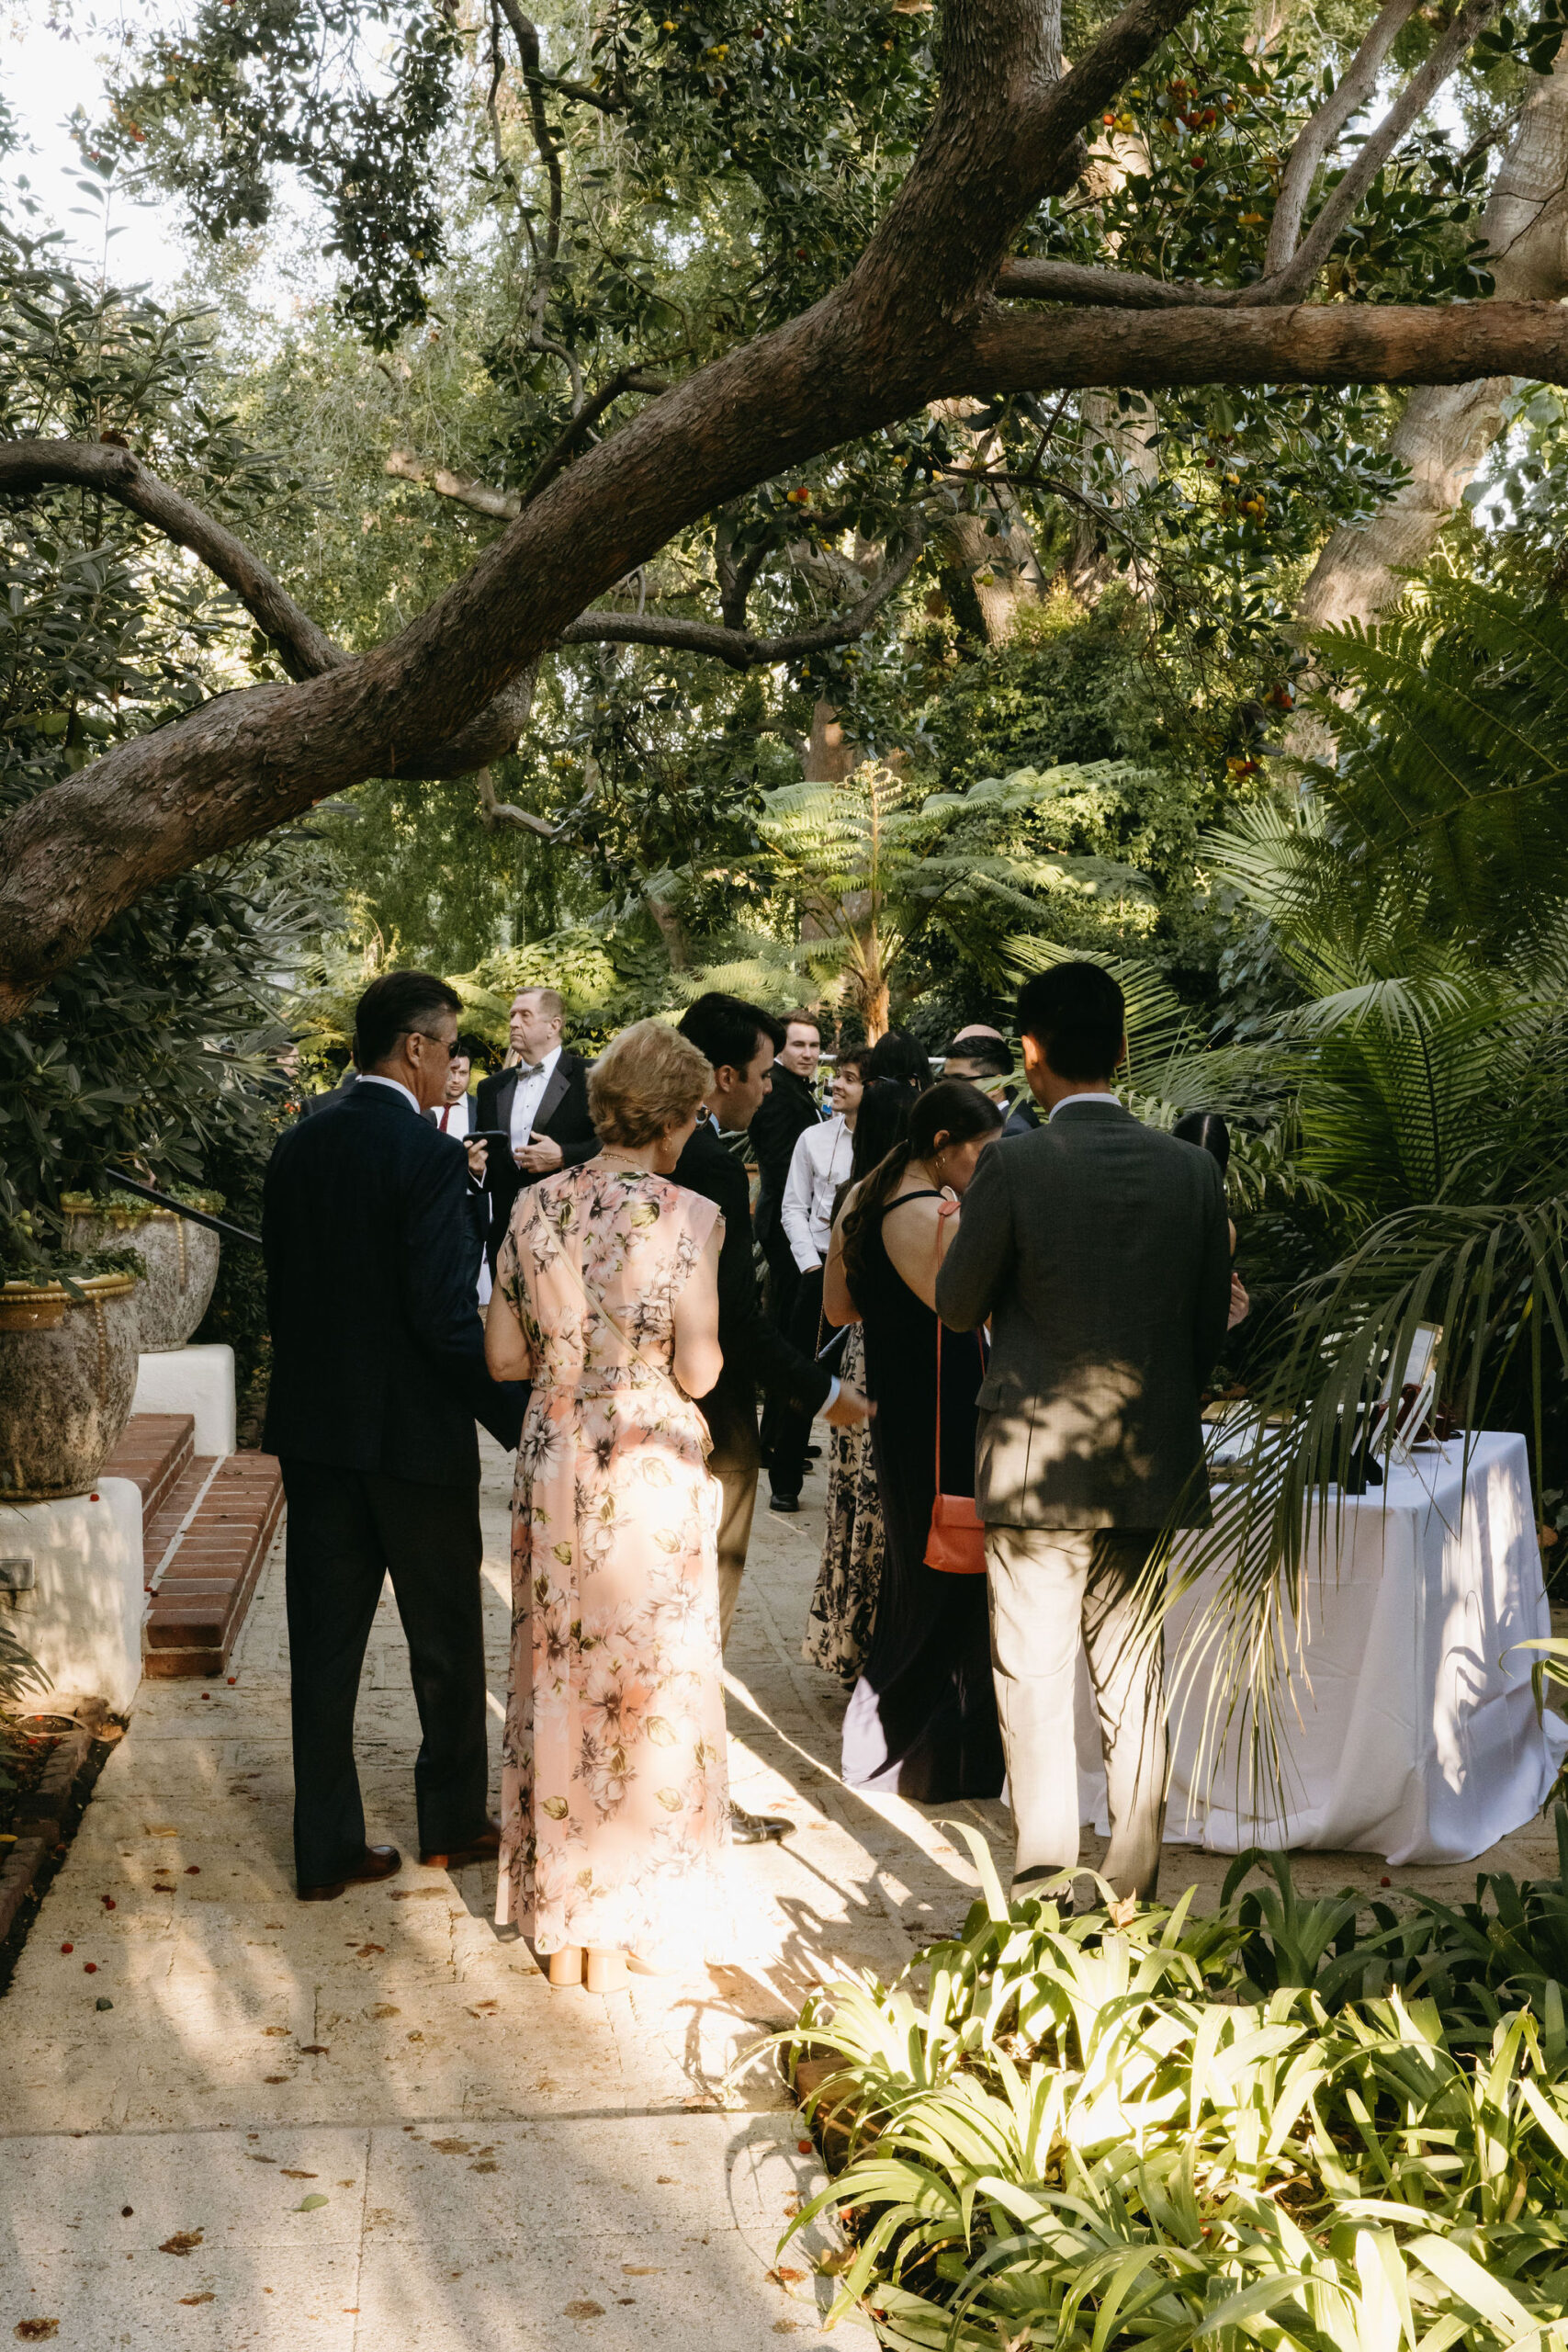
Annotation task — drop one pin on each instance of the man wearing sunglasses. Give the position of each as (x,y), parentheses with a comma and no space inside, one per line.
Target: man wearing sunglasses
(377,1378)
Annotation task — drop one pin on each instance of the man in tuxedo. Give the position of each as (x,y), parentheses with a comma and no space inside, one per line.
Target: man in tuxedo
(542,1104)
(378,1375)
(740,1041)
(1099,1251)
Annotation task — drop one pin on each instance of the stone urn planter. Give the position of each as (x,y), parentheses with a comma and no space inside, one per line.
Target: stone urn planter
(68,1371)
(181,1258)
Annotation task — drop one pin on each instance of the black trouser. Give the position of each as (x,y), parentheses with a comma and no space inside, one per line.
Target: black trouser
(783,1294)
(346,1531)
(791,1432)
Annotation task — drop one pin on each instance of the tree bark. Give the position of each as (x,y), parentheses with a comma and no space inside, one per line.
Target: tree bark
(916,321)
(1446,429)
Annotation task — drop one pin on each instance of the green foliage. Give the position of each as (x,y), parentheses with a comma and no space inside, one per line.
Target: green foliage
(151,1051)
(1307,2124)
(1451,756)
(877,868)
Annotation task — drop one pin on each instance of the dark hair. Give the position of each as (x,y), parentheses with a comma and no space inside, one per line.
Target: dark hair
(853,1057)
(477,1048)
(989,1056)
(898,1057)
(393,1006)
(728,1030)
(1209,1132)
(951,1107)
(1078,1014)
(802,1019)
(881,1121)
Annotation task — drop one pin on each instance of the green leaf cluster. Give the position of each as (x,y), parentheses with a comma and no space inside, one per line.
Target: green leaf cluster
(1291,2123)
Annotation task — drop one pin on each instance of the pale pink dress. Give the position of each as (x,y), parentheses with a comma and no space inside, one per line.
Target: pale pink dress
(614,1786)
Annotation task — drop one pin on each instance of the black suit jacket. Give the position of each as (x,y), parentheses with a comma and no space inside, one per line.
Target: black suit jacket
(756,1355)
(562,1115)
(372,1259)
(781,1119)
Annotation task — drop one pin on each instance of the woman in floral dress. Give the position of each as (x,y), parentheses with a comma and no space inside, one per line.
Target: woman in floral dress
(614,1789)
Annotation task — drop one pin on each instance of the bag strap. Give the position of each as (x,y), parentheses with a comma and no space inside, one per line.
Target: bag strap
(978,1340)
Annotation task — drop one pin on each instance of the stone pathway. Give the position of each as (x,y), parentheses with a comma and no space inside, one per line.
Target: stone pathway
(370,2124)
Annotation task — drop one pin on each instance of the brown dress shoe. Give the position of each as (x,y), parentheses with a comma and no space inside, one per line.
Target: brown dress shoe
(482,1849)
(376,1861)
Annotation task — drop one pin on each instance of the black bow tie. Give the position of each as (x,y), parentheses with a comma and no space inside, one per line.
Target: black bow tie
(530,1069)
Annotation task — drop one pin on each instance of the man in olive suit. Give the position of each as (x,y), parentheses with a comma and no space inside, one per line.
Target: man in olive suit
(1099,1251)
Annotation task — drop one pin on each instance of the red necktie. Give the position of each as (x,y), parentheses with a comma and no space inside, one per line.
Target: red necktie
(445,1115)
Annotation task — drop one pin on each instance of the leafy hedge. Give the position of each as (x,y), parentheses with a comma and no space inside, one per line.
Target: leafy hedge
(1293,2123)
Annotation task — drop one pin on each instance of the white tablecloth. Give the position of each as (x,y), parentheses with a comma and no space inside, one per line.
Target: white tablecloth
(1417,1736)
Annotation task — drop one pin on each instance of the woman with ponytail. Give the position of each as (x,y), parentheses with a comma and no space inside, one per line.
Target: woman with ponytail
(922,1718)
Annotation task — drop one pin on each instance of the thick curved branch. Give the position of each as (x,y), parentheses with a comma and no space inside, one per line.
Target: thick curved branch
(304,648)
(1340,206)
(1356,89)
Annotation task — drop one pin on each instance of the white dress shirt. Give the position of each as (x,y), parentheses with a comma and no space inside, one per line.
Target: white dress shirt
(526,1097)
(818,1164)
(410,1097)
(455,1118)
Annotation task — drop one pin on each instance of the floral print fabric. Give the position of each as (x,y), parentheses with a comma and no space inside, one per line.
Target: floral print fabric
(842,1614)
(614,1787)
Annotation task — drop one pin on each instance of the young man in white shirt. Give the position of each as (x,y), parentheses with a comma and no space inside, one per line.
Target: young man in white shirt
(818,1164)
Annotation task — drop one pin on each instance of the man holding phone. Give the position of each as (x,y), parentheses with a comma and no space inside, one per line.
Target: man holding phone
(540,1105)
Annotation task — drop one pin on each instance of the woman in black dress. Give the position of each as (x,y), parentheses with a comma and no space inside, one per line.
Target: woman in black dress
(923,1719)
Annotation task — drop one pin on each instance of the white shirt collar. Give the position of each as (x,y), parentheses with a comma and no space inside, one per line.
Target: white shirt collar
(410,1097)
(545,1066)
(1096,1097)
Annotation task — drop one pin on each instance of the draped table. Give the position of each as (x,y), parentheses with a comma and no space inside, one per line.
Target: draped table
(1406,1721)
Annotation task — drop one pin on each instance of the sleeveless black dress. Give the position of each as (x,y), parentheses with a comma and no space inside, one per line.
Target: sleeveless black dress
(922,1720)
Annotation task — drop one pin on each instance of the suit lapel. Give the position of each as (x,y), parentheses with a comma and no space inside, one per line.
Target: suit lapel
(554,1091)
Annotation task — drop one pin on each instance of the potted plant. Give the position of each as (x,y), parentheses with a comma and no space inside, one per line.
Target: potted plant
(70,1346)
(180,1258)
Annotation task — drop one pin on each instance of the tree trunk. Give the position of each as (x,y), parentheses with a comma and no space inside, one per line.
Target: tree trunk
(828,757)
(1446,429)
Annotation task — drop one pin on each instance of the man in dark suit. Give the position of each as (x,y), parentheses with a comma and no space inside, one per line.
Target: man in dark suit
(378,1375)
(542,1104)
(1099,1250)
(740,1041)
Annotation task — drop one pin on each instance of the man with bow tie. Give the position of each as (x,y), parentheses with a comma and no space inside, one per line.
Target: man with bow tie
(542,1104)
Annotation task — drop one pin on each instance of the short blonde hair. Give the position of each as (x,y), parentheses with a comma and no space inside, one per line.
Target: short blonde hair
(649,1079)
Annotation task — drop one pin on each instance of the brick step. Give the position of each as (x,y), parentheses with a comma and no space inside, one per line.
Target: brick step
(196,1612)
(159,1531)
(155,1451)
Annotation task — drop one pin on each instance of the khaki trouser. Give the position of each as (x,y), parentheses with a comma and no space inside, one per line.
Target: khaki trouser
(1046,1585)
(738,1480)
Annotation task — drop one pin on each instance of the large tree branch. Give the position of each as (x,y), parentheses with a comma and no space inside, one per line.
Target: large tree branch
(915,322)
(1336,343)
(304,648)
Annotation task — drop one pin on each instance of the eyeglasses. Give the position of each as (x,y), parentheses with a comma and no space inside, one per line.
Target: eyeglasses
(451,1051)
